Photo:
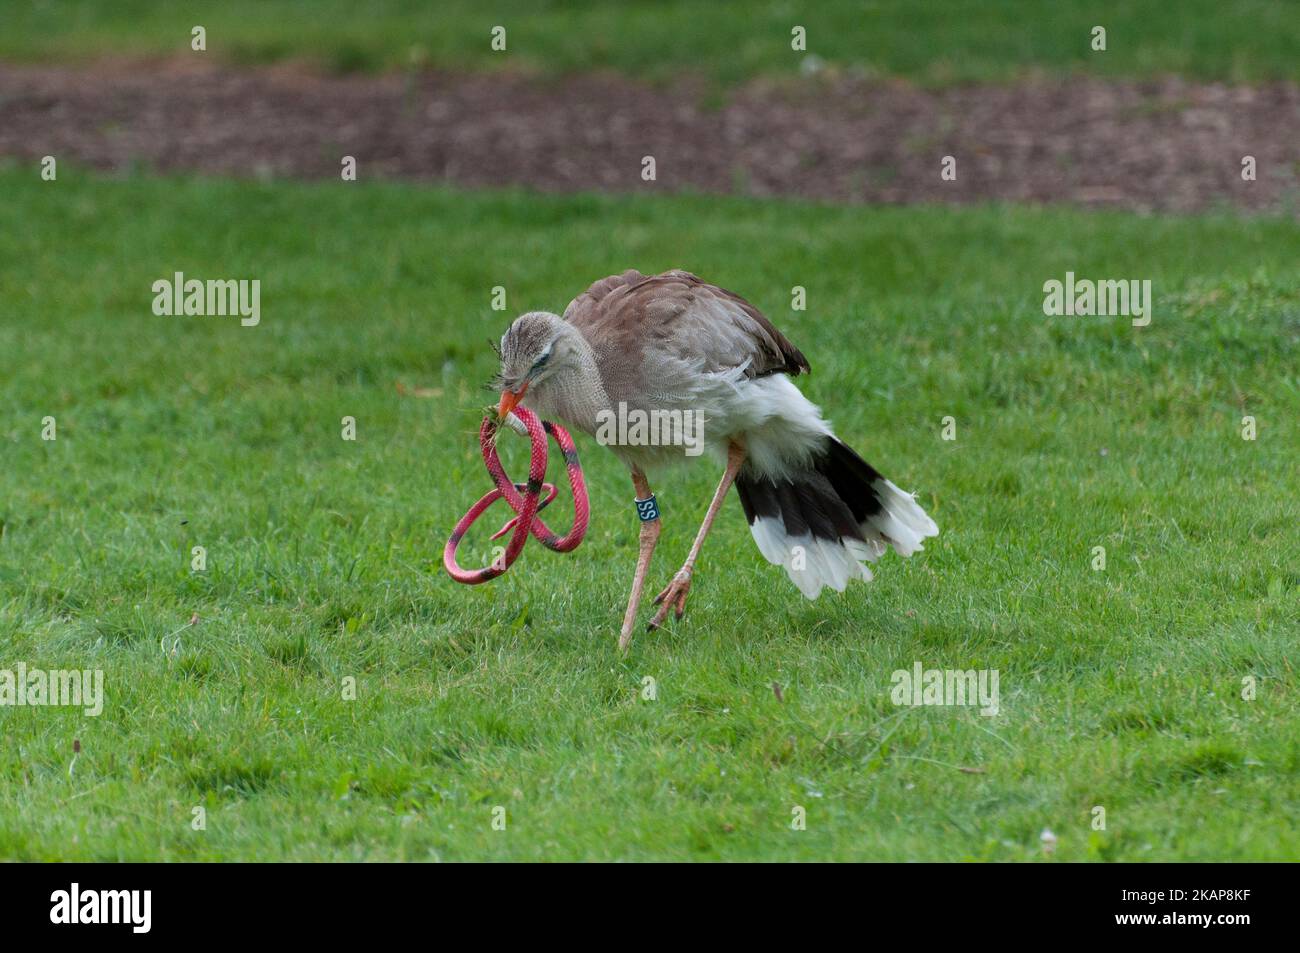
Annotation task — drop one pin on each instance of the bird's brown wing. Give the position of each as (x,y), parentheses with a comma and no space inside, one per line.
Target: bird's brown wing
(629,317)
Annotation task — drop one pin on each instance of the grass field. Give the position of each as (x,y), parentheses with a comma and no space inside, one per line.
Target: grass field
(726,41)
(1120,688)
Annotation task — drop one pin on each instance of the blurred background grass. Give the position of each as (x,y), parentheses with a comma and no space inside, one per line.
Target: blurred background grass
(724,42)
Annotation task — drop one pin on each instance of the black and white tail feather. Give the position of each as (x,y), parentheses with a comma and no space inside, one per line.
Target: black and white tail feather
(826,522)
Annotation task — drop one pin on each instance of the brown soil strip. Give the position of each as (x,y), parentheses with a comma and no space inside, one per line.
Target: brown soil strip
(1169,145)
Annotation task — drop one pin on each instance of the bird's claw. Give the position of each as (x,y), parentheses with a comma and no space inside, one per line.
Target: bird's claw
(673,597)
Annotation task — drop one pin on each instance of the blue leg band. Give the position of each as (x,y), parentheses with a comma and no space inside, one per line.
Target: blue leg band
(647,509)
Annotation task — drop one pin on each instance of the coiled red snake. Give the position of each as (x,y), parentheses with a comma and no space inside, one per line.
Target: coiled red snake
(527,505)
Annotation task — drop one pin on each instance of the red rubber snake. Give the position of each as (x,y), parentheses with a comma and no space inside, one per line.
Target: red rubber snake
(523,498)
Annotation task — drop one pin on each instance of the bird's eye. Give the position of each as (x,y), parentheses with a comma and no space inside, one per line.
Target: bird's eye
(539,363)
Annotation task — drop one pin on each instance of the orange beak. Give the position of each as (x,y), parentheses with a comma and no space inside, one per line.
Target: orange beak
(509,400)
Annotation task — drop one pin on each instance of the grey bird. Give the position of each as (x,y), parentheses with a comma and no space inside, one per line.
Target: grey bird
(665,367)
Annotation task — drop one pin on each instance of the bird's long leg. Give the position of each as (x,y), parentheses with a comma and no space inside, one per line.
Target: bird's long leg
(649,536)
(674,596)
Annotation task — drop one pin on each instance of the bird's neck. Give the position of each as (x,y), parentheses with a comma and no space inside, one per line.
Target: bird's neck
(576,396)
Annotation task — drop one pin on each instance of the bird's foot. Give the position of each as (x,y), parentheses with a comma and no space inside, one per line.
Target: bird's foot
(673,597)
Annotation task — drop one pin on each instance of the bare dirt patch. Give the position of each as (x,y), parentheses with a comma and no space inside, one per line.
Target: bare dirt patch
(1170,145)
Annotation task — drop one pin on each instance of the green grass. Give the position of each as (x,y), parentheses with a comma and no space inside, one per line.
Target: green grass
(932,43)
(1119,688)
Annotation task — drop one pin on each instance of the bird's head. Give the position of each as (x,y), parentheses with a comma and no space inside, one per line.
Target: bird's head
(534,349)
